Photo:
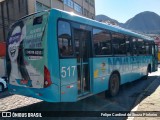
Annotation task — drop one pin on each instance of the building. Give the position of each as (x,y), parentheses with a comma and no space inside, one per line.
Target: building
(11,10)
(82,7)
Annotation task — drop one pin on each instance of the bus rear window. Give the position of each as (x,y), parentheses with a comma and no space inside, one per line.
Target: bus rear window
(38,20)
(65,39)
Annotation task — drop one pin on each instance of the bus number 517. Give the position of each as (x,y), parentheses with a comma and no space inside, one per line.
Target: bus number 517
(68,71)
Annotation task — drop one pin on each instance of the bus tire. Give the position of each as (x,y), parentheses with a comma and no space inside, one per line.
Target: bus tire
(1,87)
(114,83)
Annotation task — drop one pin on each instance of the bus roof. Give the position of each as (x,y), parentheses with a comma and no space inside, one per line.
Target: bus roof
(74,17)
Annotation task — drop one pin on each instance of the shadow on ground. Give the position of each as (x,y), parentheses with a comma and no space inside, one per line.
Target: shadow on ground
(4,94)
(147,92)
(127,93)
(124,101)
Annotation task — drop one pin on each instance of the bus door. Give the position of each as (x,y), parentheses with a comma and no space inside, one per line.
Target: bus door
(155,57)
(82,46)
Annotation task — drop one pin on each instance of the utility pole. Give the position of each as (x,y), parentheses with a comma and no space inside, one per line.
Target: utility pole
(3,24)
(7,13)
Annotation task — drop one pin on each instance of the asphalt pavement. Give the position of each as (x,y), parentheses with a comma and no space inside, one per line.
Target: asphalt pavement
(124,101)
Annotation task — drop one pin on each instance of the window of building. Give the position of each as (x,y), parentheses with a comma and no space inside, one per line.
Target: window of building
(69,3)
(118,44)
(65,39)
(92,3)
(41,7)
(77,8)
(85,12)
(61,0)
(87,1)
(102,42)
(92,16)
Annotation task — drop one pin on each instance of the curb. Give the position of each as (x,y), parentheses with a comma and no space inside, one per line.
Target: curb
(136,105)
(142,94)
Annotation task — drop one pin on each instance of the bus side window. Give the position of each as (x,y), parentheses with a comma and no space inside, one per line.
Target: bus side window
(102,42)
(118,44)
(156,51)
(150,48)
(141,47)
(134,46)
(128,45)
(147,48)
(65,39)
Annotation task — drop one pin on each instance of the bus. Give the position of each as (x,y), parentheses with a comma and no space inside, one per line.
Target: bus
(57,56)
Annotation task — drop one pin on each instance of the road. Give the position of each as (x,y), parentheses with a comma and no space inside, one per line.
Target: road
(124,101)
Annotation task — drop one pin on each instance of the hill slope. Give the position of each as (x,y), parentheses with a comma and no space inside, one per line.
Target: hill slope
(146,22)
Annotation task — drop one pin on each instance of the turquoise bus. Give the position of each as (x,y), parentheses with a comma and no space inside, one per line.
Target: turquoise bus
(58,56)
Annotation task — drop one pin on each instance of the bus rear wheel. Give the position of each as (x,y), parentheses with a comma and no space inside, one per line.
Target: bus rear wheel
(114,83)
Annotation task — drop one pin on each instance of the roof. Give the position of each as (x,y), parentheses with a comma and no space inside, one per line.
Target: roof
(91,22)
(87,21)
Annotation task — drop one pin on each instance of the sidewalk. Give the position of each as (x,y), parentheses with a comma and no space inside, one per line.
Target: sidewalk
(149,100)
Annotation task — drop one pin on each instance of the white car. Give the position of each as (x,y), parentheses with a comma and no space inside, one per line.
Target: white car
(3,85)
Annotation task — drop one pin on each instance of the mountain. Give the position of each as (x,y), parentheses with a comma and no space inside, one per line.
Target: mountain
(145,22)
(106,19)
(103,18)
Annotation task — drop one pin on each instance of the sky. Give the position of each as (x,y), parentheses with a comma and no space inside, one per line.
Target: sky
(122,10)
